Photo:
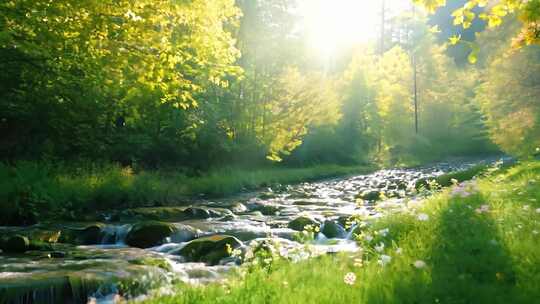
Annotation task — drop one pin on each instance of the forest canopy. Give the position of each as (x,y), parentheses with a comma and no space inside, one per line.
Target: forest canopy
(201,84)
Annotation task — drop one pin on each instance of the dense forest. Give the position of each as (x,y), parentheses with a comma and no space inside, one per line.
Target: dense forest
(202,84)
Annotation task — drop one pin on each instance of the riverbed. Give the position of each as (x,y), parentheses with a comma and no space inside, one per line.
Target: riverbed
(107,265)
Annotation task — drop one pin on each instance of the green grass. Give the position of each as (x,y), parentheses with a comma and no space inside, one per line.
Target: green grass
(44,189)
(489,256)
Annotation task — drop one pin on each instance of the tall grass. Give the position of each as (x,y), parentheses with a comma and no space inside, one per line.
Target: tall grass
(45,189)
(470,244)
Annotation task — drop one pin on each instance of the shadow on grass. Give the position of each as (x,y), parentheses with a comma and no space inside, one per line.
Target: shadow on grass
(470,262)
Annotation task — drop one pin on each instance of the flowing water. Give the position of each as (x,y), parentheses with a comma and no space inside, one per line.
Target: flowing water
(96,273)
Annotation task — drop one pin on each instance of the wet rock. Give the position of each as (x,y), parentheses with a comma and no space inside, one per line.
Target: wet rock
(267,195)
(256,214)
(153,214)
(92,234)
(331,229)
(370,195)
(265,209)
(239,208)
(402,185)
(184,233)
(303,203)
(301,222)
(198,213)
(57,254)
(228,218)
(300,195)
(149,234)
(210,249)
(85,234)
(16,244)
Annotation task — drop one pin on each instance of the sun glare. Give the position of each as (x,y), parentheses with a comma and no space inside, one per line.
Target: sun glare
(334,24)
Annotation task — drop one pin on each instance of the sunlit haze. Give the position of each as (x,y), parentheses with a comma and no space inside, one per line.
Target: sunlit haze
(332,24)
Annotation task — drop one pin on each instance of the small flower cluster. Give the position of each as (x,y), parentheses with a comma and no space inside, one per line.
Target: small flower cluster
(349,278)
(464,189)
(483,209)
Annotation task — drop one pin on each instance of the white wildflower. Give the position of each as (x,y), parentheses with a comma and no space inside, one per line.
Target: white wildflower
(399,250)
(368,237)
(384,232)
(419,264)
(538,210)
(380,247)
(535,232)
(526,207)
(349,278)
(482,209)
(384,259)
(423,217)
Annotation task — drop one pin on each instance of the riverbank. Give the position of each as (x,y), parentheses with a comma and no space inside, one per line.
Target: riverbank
(29,190)
(476,242)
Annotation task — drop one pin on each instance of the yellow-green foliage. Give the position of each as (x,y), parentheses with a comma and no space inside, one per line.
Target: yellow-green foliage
(509,98)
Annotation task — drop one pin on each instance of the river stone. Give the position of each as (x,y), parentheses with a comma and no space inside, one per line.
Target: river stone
(16,244)
(201,213)
(149,234)
(265,209)
(239,208)
(184,233)
(92,234)
(210,249)
(332,229)
(88,234)
(301,222)
(370,195)
(267,195)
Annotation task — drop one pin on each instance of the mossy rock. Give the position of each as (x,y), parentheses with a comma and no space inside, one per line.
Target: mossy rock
(149,234)
(267,195)
(201,213)
(156,262)
(266,209)
(87,234)
(153,214)
(16,244)
(301,222)
(210,249)
(332,229)
(370,195)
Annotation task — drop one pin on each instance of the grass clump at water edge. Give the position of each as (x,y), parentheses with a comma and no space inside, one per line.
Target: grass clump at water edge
(29,190)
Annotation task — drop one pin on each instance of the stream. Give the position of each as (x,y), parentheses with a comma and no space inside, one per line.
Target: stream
(95,262)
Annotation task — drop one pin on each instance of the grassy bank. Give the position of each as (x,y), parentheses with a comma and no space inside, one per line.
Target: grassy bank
(473,243)
(30,189)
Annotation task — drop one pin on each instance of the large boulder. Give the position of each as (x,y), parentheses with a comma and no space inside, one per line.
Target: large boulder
(87,234)
(16,244)
(301,222)
(331,229)
(92,234)
(210,249)
(149,234)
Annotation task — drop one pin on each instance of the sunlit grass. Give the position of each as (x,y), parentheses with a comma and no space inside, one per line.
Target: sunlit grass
(49,189)
(477,247)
